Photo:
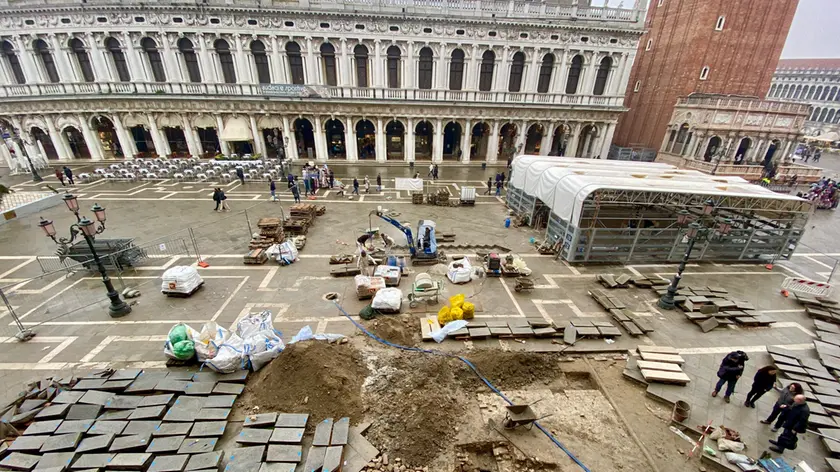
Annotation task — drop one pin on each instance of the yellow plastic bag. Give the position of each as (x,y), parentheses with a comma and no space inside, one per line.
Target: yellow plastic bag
(455,301)
(456,314)
(469,310)
(444,316)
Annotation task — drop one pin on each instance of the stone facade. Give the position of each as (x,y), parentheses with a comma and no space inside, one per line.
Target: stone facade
(393,80)
(815,82)
(700,46)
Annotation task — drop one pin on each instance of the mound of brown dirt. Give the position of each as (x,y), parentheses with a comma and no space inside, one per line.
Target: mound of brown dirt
(417,403)
(398,329)
(508,370)
(315,377)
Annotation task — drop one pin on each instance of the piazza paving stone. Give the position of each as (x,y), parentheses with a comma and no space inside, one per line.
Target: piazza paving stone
(92,461)
(254,436)
(141,427)
(169,463)
(209,376)
(245,455)
(220,401)
(130,461)
(31,404)
(209,414)
(20,461)
(42,427)
(27,443)
(98,443)
(240,376)
(225,388)
(165,444)
(131,443)
(74,426)
(96,397)
(123,402)
(148,413)
(207,460)
(199,388)
(154,400)
(110,415)
(197,446)
(25,417)
(116,385)
(287,435)
(263,419)
(107,427)
(59,460)
(62,442)
(208,428)
(291,420)
(180,414)
(83,412)
(172,429)
(189,403)
(68,397)
(179,375)
(173,386)
(89,384)
(278,467)
(125,374)
(284,453)
(145,382)
(53,412)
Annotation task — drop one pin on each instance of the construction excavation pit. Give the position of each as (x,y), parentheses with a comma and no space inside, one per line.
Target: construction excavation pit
(426,411)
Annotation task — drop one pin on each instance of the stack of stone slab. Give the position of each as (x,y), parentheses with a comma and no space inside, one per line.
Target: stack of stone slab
(29,403)
(623,281)
(477,330)
(711,307)
(820,308)
(657,364)
(280,433)
(156,421)
(630,321)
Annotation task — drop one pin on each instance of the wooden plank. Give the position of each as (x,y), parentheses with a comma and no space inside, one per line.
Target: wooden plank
(661,376)
(657,357)
(657,349)
(666,366)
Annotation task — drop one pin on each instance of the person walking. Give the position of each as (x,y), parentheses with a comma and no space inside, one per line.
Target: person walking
(355,185)
(295,191)
(489,185)
(332,178)
(272,187)
(241,174)
(502,176)
(435,173)
(217,197)
(782,404)
(69,174)
(379,182)
(498,188)
(729,372)
(431,170)
(59,176)
(290,179)
(306,184)
(796,421)
(763,382)
(367,184)
(223,199)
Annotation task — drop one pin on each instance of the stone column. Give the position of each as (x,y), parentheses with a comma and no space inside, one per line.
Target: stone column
(466,137)
(100,67)
(561,71)
(320,142)
(158,138)
(545,142)
(350,140)
(471,77)
(532,73)
(310,65)
(410,67)
(197,140)
(277,74)
(437,142)
(27,60)
(170,62)
(591,70)
(124,137)
(572,145)
(409,141)
(189,135)
(787,150)
(259,143)
(493,143)
(57,140)
(617,77)
(520,138)
(608,137)
(439,82)
(344,78)
(381,148)
(92,139)
(289,139)
(62,64)
(132,58)
(243,72)
(376,70)
(220,128)
(501,77)
(205,60)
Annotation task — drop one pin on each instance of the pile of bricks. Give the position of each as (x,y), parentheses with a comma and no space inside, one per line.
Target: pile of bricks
(271,233)
(710,307)
(630,321)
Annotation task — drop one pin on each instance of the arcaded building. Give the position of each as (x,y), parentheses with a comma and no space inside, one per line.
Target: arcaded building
(814,82)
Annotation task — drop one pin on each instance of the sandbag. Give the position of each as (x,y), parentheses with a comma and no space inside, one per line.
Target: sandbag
(178,333)
(456,313)
(459,271)
(367,313)
(441,334)
(180,279)
(387,299)
(727,445)
(469,310)
(443,316)
(209,339)
(230,356)
(288,253)
(183,350)
(262,348)
(253,324)
(456,301)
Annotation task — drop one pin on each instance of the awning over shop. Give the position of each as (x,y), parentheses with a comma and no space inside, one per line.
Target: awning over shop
(237,129)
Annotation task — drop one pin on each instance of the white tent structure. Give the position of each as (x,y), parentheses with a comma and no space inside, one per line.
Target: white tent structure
(622,210)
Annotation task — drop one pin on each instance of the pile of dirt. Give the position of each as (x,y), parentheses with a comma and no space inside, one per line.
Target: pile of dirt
(315,377)
(416,402)
(508,370)
(398,329)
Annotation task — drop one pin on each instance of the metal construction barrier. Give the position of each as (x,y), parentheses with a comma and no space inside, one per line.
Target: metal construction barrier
(806,287)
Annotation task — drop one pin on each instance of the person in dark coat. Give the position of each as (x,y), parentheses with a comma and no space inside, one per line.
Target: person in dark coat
(295,191)
(763,382)
(782,405)
(796,421)
(241,174)
(332,178)
(502,176)
(355,185)
(69,173)
(379,182)
(729,372)
(489,185)
(290,179)
(272,188)
(217,197)
(435,173)
(59,175)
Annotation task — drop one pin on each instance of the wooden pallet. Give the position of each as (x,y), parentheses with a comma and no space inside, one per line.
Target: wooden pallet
(255,256)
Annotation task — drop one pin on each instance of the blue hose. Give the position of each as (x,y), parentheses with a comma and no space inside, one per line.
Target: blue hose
(473,368)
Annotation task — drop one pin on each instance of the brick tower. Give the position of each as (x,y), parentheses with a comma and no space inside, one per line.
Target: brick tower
(706,46)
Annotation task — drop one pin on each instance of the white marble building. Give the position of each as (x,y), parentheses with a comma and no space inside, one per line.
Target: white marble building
(815,82)
(381,80)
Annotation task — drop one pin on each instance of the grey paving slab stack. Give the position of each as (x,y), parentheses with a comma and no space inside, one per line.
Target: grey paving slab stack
(263,419)
(166,444)
(340,431)
(68,397)
(98,443)
(315,458)
(107,427)
(148,413)
(154,400)
(289,435)
(56,460)
(89,384)
(207,460)
(83,412)
(197,445)
(53,412)
(208,429)
(278,467)
(134,442)
(291,420)
(27,443)
(226,388)
(141,427)
(219,401)
(74,426)
(43,427)
(254,436)
(62,442)
(130,461)
(20,461)
(173,429)
(110,415)
(332,459)
(169,463)
(244,459)
(284,453)
(323,432)
(213,414)
(96,397)
(199,388)
(92,461)
(123,402)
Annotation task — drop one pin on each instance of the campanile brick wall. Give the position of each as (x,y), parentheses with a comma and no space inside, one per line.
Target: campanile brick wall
(741,58)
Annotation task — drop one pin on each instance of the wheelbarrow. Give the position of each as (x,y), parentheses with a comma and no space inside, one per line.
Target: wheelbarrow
(520,415)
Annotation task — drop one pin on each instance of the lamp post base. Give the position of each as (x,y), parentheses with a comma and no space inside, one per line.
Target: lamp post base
(119,309)
(666,302)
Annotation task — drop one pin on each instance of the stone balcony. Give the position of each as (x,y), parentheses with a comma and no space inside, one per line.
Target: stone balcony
(752,173)
(311,92)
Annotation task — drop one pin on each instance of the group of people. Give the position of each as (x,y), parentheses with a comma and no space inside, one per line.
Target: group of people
(433,171)
(790,411)
(812,152)
(65,171)
(500,184)
(825,194)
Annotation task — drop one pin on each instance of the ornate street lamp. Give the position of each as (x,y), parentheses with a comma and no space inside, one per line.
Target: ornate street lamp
(88,229)
(695,231)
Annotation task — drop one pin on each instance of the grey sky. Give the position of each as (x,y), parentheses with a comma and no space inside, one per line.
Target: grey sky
(814,32)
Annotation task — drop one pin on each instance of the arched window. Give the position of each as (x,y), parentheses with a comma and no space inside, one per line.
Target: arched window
(772,92)
(574,74)
(602,76)
(823,115)
(8,52)
(704,73)
(118,59)
(360,52)
(811,93)
(82,58)
(328,58)
(517,68)
(185,46)
(225,61)
(394,67)
(546,69)
(155,62)
(456,70)
(798,93)
(261,62)
(824,95)
(485,74)
(833,94)
(42,51)
(830,117)
(424,69)
(295,62)
(815,114)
